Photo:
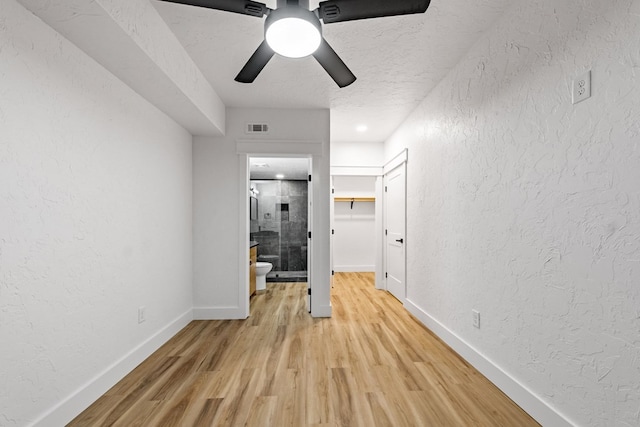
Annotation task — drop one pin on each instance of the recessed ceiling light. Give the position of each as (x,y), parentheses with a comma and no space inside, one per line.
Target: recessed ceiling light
(362,128)
(279,176)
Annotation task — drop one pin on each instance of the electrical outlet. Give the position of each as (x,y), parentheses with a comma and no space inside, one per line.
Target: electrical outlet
(581,87)
(142,314)
(476,318)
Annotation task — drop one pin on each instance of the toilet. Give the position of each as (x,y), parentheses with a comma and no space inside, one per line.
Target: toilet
(262,268)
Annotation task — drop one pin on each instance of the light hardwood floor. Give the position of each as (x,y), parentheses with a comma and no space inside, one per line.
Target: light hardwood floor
(371,364)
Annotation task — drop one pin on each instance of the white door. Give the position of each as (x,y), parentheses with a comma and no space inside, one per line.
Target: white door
(309,236)
(395,195)
(332,214)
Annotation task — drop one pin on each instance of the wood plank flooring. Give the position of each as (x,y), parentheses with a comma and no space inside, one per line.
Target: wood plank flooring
(371,364)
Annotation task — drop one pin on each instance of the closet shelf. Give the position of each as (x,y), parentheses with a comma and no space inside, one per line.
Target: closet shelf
(355,199)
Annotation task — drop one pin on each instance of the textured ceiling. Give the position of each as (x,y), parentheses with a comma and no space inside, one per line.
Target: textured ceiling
(397,61)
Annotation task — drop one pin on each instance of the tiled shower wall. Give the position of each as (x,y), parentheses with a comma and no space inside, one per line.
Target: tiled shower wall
(281,227)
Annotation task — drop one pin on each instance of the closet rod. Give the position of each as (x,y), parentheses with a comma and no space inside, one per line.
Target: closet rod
(355,199)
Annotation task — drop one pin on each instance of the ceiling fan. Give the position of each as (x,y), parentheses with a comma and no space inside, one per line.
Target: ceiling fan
(292,30)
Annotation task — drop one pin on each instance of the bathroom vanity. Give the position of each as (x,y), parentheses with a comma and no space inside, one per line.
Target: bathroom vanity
(253,259)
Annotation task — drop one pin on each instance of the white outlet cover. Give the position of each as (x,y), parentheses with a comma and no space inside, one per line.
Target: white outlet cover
(476,318)
(581,87)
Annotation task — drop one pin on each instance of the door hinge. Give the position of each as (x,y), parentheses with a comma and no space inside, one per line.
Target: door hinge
(386,275)
(385,232)
(385,188)
(309,178)
(333,273)
(333,191)
(309,291)
(333,231)
(309,234)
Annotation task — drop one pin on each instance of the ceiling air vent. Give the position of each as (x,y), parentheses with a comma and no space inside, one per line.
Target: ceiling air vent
(255,10)
(257,128)
(329,12)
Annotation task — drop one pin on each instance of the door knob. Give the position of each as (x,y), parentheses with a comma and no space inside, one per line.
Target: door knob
(400,240)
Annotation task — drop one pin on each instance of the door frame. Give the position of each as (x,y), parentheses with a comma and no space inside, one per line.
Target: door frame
(309,149)
(309,240)
(399,160)
(373,171)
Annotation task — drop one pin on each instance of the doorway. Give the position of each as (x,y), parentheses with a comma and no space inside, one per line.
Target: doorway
(395,219)
(279,191)
(318,263)
(280,213)
(355,225)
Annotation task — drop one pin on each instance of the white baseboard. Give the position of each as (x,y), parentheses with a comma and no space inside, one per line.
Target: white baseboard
(78,401)
(354,268)
(218,313)
(321,310)
(520,394)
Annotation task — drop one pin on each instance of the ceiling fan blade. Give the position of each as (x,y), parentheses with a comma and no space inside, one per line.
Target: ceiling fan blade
(255,64)
(331,62)
(244,7)
(350,10)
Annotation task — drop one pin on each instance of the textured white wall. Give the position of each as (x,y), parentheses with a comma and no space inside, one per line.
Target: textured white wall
(217,214)
(215,222)
(95,208)
(357,154)
(132,41)
(527,208)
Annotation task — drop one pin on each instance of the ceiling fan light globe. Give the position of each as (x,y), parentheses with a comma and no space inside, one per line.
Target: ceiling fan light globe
(293,37)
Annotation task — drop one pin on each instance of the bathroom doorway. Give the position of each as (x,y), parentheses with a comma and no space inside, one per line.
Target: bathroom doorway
(318,263)
(279,215)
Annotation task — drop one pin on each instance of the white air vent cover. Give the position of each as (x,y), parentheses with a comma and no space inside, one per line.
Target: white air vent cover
(257,128)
